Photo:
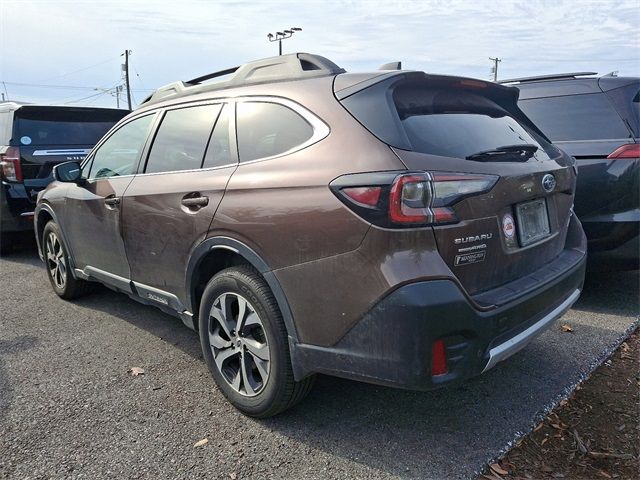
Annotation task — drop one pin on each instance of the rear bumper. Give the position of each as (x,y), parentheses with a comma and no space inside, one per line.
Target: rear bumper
(392,344)
(610,232)
(16,210)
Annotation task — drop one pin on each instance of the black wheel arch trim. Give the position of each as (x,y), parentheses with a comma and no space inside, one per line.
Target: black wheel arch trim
(228,243)
(36,215)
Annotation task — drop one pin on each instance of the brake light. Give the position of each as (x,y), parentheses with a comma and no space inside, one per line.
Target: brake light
(630,150)
(10,165)
(439,358)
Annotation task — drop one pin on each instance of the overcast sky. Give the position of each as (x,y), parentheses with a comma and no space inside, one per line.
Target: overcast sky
(65,43)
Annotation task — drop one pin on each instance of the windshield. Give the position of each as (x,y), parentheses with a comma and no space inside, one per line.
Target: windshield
(48,126)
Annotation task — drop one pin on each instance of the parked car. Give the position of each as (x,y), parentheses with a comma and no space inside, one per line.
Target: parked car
(392,227)
(596,120)
(34,138)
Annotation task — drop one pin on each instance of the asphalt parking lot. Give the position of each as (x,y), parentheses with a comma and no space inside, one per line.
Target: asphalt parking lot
(69,408)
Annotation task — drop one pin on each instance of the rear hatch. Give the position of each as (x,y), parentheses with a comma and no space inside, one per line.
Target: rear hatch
(46,136)
(448,125)
(599,129)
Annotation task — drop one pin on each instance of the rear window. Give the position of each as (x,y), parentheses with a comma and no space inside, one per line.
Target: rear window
(576,117)
(62,126)
(439,119)
(454,123)
(626,101)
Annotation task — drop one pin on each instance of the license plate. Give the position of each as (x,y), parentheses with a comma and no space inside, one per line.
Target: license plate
(533,221)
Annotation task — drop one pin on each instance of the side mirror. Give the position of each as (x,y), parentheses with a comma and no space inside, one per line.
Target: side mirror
(69,172)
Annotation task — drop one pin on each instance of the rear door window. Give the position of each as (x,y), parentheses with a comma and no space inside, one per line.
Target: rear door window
(576,117)
(182,139)
(268,129)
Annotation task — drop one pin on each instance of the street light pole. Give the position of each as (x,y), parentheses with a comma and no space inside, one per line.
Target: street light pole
(279,36)
(125,67)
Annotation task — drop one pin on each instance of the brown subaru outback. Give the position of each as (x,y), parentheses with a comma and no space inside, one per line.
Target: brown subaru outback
(394,227)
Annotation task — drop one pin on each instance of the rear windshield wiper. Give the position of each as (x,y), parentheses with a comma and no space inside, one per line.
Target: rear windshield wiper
(523,151)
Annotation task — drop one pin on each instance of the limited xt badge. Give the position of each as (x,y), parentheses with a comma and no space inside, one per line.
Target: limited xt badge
(468,258)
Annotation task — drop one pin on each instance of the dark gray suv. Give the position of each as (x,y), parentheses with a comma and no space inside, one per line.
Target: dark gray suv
(597,121)
(394,227)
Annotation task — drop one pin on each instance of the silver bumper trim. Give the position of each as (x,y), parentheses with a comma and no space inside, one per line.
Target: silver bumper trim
(26,214)
(513,345)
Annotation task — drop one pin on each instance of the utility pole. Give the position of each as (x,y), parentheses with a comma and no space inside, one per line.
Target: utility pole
(494,69)
(125,67)
(279,36)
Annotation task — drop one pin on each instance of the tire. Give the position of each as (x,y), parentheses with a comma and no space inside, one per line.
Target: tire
(56,260)
(265,386)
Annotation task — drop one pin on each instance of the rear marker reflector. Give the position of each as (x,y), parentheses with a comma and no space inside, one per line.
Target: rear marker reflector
(438,358)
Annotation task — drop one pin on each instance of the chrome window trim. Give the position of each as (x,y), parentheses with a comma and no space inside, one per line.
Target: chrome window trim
(192,170)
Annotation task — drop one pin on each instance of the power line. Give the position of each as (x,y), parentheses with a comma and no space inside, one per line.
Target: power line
(66,87)
(79,70)
(102,91)
(96,95)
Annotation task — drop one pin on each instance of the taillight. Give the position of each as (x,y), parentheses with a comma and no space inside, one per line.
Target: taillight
(427,198)
(630,150)
(10,165)
(409,199)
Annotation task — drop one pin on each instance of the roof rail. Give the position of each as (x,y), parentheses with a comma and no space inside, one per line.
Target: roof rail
(294,66)
(556,76)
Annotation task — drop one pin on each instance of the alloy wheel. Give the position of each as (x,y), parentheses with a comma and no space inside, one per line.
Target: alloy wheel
(55,260)
(239,344)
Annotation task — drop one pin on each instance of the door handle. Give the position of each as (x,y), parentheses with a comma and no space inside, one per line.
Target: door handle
(195,202)
(112,201)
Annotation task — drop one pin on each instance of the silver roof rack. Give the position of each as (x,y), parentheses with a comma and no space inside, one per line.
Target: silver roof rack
(294,66)
(556,76)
